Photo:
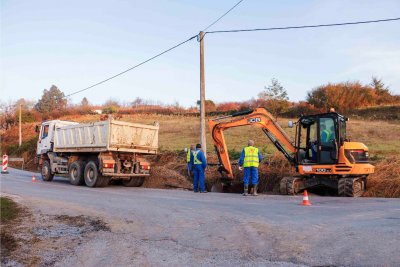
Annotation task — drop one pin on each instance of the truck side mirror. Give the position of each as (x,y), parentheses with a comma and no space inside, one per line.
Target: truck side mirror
(37,129)
(290,124)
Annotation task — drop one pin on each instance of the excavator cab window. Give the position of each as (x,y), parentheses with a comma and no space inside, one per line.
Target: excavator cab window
(327,145)
(317,140)
(307,137)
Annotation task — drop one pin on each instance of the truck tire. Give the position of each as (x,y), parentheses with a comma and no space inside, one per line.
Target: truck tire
(76,173)
(133,182)
(47,175)
(92,176)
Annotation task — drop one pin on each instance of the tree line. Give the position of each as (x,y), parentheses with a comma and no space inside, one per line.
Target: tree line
(345,97)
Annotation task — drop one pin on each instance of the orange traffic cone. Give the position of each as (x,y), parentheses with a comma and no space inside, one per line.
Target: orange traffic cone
(33,179)
(306,202)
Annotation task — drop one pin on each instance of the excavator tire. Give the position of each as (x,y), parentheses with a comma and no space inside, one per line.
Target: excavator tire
(288,185)
(283,186)
(351,187)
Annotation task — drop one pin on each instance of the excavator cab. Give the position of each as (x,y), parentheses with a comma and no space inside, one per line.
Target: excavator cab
(318,138)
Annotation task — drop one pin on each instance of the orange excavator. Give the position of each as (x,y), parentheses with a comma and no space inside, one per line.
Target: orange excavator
(321,152)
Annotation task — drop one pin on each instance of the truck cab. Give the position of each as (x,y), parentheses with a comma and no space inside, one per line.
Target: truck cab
(46,135)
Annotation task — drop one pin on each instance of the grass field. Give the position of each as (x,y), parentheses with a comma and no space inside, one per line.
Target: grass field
(9,209)
(178,132)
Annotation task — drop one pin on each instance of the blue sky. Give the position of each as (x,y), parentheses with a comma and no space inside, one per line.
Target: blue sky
(74,44)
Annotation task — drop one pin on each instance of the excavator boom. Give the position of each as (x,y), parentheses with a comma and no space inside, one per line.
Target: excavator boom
(259,118)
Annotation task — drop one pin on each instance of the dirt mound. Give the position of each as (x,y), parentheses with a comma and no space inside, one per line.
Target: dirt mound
(168,170)
(385,182)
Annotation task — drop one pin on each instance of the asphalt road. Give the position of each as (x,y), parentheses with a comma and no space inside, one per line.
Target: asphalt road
(154,227)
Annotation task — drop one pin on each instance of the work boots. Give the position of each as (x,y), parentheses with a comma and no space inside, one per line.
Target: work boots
(255,191)
(245,190)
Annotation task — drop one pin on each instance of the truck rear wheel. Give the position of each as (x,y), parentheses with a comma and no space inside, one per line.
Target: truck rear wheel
(92,176)
(76,173)
(133,182)
(47,175)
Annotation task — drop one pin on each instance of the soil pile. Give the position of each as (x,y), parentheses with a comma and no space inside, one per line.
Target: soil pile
(168,170)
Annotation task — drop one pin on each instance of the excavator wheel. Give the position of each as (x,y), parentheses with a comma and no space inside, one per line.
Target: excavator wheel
(352,187)
(217,188)
(290,185)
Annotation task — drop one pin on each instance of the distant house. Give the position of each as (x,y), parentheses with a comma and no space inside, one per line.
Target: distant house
(98,111)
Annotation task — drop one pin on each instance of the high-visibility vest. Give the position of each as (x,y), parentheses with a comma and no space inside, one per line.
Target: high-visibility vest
(251,157)
(328,136)
(188,156)
(196,161)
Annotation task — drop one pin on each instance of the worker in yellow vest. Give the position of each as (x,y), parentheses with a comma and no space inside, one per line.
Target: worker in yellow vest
(189,152)
(198,164)
(250,159)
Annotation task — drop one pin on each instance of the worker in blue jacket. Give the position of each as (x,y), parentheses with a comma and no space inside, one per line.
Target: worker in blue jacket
(198,165)
(250,159)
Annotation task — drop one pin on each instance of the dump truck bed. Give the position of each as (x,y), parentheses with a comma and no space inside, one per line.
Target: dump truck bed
(110,135)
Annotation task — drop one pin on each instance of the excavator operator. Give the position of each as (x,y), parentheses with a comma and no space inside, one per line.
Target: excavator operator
(250,159)
(325,134)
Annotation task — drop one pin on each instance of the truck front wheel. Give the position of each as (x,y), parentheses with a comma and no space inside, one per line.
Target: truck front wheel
(47,175)
(92,176)
(76,173)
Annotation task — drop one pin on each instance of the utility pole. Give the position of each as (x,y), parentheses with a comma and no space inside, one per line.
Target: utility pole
(20,130)
(202,97)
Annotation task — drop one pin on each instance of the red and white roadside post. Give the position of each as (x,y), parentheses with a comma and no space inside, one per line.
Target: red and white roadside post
(4,165)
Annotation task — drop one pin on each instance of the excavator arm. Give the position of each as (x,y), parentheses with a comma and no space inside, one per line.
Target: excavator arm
(260,118)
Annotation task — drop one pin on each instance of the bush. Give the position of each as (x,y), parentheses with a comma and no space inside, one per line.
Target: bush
(110,110)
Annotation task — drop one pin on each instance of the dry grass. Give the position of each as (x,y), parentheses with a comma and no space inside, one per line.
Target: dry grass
(385,182)
(10,211)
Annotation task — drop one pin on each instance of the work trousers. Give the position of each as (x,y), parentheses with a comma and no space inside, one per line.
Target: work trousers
(250,171)
(198,172)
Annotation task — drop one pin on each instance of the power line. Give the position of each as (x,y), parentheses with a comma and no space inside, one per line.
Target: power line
(226,31)
(223,15)
(306,26)
(165,51)
(131,68)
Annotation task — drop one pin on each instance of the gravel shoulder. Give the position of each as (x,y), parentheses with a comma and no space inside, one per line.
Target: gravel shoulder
(153,227)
